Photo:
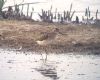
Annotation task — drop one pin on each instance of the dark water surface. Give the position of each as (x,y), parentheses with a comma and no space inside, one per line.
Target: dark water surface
(18,66)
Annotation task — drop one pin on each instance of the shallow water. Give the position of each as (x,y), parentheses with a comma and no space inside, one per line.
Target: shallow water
(16,65)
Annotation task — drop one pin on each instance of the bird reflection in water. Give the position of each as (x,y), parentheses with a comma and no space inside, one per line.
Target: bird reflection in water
(48,71)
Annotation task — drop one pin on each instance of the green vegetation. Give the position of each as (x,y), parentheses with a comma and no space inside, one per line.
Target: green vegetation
(2,2)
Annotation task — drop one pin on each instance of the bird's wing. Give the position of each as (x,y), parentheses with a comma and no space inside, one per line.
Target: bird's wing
(62,33)
(43,37)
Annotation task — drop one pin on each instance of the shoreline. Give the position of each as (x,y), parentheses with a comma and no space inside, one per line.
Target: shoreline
(57,49)
(79,38)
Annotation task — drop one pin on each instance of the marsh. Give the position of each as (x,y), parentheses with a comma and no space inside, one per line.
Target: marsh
(73,52)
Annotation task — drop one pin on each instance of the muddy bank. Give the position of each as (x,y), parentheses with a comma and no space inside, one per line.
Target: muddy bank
(22,35)
(93,48)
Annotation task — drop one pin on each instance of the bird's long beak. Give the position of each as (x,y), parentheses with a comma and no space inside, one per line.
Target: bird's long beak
(57,31)
(62,33)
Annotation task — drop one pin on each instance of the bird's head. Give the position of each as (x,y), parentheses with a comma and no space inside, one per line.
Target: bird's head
(56,30)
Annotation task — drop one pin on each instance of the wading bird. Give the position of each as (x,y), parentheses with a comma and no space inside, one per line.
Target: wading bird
(47,39)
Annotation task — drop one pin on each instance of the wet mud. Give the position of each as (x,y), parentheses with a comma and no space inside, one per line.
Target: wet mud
(16,65)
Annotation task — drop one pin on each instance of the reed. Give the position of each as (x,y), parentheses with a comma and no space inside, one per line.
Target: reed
(87,13)
(70,9)
(97,14)
(27,9)
(17,9)
(22,9)
(2,2)
(32,13)
(55,17)
(69,14)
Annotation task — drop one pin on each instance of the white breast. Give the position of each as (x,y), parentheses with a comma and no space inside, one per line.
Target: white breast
(40,42)
(44,42)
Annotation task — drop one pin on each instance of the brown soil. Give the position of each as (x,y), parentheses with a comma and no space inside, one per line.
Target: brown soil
(77,38)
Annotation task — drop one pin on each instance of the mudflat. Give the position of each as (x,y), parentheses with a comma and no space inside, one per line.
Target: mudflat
(76,38)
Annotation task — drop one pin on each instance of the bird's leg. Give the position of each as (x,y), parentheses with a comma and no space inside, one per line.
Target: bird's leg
(46,55)
(44,58)
(41,56)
